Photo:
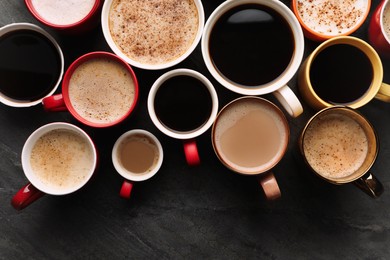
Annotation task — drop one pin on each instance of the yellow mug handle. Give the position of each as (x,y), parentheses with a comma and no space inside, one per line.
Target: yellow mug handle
(384,93)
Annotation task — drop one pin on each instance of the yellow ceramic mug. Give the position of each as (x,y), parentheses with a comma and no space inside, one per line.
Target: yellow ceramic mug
(345,71)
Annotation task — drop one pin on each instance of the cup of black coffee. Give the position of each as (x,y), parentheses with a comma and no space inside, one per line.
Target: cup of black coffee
(255,47)
(183,104)
(31,64)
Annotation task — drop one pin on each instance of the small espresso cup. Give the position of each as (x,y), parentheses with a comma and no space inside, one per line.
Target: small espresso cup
(183,104)
(73,16)
(137,155)
(324,19)
(340,145)
(250,136)
(57,159)
(345,71)
(255,47)
(379,29)
(99,89)
(31,65)
(152,35)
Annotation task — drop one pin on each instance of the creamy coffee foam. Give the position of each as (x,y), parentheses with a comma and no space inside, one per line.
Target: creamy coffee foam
(386,20)
(331,17)
(153,32)
(335,146)
(250,136)
(138,154)
(61,160)
(101,90)
(62,12)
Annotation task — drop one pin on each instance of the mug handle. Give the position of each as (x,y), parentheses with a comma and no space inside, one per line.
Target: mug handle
(126,189)
(191,152)
(25,196)
(289,101)
(384,93)
(270,186)
(370,185)
(54,103)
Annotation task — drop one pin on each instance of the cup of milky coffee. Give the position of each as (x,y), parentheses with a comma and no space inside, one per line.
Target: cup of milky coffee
(70,16)
(137,155)
(99,89)
(379,29)
(152,34)
(31,65)
(344,70)
(339,145)
(183,104)
(57,159)
(324,19)
(255,47)
(250,136)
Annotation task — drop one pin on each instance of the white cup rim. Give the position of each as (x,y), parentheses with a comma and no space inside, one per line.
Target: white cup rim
(29,144)
(381,20)
(127,174)
(29,26)
(176,134)
(288,73)
(106,32)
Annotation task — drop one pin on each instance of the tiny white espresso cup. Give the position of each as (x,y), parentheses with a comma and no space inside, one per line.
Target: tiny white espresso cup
(277,86)
(36,188)
(190,147)
(129,176)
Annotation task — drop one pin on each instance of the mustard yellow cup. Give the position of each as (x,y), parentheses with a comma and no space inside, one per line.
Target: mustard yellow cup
(375,87)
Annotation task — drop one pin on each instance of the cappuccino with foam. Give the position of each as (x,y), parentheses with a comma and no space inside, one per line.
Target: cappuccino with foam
(153,32)
(332,17)
(62,159)
(101,90)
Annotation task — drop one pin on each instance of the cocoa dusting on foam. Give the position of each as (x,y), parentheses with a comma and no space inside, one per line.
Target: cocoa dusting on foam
(153,32)
(331,17)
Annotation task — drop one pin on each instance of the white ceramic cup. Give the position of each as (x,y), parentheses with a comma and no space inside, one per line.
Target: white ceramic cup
(278,86)
(107,35)
(131,177)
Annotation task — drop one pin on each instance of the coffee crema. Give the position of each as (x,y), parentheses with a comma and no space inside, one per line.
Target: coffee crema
(332,17)
(335,146)
(249,136)
(153,32)
(101,90)
(60,12)
(386,20)
(138,154)
(61,160)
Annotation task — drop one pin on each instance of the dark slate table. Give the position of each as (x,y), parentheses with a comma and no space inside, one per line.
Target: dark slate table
(183,212)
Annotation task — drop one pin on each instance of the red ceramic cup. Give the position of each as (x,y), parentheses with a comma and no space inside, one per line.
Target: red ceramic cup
(99,89)
(73,17)
(78,156)
(188,136)
(376,31)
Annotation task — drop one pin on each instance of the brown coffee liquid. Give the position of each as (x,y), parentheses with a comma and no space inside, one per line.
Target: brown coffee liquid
(138,154)
(341,74)
(251,44)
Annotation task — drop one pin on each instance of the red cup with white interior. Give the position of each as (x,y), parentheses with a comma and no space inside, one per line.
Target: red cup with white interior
(379,29)
(99,89)
(71,16)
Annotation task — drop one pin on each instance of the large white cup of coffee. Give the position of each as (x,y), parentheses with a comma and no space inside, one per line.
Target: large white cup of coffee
(57,159)
(137,155)
(255,47)
(152,34)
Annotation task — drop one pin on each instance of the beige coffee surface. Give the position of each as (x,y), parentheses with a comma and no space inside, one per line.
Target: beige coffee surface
(250,135)
(386,20)
(331,17)
(153,32)
(335,146)
(101,90)
(61,159)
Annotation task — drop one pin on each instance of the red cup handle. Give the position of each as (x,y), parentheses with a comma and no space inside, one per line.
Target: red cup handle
(54,103)
(25,196)
(126,189)
(191,152)
(270,186)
